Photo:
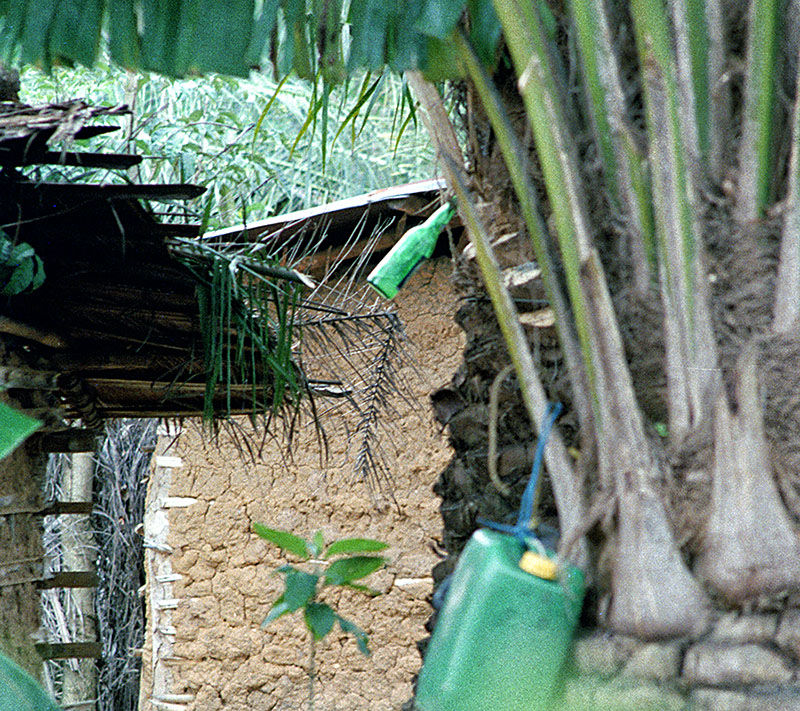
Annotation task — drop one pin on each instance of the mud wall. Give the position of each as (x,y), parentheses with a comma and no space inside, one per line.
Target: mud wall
(220,585)
(21,557)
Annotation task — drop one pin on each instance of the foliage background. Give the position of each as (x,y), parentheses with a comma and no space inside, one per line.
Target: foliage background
(202,131)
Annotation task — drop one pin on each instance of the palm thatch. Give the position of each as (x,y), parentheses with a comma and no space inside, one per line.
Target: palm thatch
(137,317)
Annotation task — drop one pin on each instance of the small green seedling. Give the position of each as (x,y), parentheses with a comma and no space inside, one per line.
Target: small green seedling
(340,563)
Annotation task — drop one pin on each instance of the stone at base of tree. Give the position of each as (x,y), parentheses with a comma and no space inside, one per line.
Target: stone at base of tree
(717,664)
(602,653)
(725,700)
(788,635)
(733,627)
(655,661)
(587,693)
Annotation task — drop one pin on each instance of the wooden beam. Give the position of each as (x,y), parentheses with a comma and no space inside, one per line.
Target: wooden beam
(53,509)
(69,440)
(68,507)
(347,212)
(69,579)
(70,650)
(29,333)
(112,161)
(89,191)
(174,229)
(91,131)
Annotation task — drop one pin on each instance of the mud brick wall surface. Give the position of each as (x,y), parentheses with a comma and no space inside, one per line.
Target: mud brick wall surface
(220,657)
(21,557)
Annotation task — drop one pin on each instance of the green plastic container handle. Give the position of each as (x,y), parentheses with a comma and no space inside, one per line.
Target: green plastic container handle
(411,250)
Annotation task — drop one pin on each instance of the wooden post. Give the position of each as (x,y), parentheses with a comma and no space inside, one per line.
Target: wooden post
(157,675)
(80,680)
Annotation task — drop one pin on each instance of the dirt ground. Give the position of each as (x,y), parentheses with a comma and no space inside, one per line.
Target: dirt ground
(221,659)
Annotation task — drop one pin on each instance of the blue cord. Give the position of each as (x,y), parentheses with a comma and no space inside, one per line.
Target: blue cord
(521,530)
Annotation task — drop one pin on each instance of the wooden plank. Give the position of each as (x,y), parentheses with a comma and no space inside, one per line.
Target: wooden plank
(68,507)
(177,502)
(29,333)
(168,603)
(91,131)
(155,191)
(70,650)
(69,440)
(112,161)
(347,211)
(69,579)
(174,229)
(169,462)
(54,509)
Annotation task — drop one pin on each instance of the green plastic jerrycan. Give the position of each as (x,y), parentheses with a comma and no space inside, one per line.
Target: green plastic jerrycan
(18,690)
(503,634)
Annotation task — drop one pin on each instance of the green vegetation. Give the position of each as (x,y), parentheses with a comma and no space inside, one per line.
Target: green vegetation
(338,564)
(21,269)
(212,131)
(635,140)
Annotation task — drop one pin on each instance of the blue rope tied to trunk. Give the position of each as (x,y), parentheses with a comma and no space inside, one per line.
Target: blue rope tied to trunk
(527,536)
(521,530)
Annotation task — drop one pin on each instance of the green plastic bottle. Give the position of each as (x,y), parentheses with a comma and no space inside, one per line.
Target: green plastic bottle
(411,249)
(503,634)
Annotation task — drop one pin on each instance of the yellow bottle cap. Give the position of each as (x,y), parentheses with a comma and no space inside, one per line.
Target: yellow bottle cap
(539,565)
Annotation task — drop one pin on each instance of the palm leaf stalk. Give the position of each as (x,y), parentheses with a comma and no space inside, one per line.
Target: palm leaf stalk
(749,541)
(719,92)
(700,41)
(787,296)
(756,149)
(627,463)
(247,325)
(624,167)
(532,216)
(571,506)
(530,51)
(693,376)
(692,75)
(568,495)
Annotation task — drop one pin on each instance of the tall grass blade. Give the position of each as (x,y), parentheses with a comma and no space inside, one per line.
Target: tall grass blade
(266,109)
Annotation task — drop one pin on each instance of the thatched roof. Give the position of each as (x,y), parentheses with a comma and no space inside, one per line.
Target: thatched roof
(115,326)
(116,313)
